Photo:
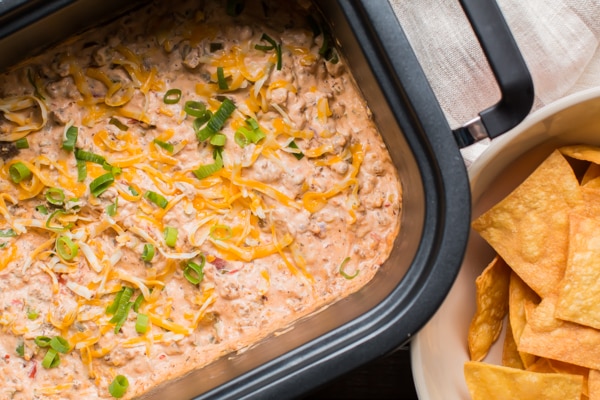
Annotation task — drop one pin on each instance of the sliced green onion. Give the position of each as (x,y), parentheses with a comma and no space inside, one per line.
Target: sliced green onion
(157,199)
(148,252)
(218,154)
(118,386)
(256,135)
(240,138)
(22,143)
(138,302)
(19,172)
(101,184)
(327,50)
(120,308)
(70,138)
(194,108)
(32,314)
(111,209)
(221,79)
(60,344)
(273,45)
(133,191)
(253,123)
(172,96)
(51,359)
(251,133)
(141,323)
(42,209)
(42,341)
(89,156)
(206,170)
(36,90)
(81,170)
(200,121)
(3,245)
(193,272)
(20,350)
(299,155)
(66,249)
(112,169)
(164,145)
(82,155)
(10,232)
(234,7)
(221,232)
(218,139)
(122,317)
(55,196)
(216,122)
(279,57)
(54,215)
(266,38)
(118,124)
(125,295)
(343,273)
(112,308)
(170,235)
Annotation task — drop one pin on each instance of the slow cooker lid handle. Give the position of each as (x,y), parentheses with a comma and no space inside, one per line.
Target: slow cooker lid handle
(510,71)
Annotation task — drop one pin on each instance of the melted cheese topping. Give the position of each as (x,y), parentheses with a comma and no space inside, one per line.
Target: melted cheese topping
(297,207)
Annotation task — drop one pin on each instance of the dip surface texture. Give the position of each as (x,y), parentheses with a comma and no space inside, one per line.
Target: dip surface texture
(176,186)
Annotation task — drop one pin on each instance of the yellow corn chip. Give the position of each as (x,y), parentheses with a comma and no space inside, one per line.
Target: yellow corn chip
(529,228)
(492,307)
(592,183)
(579,291)
(521,298)
(493,382)
(565,368)
(541,365)
(591,199)
(594,384)
(582,152)
(510,354)
(591,176)
(546,336)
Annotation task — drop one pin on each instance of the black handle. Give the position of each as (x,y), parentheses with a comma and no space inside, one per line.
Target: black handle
(509,68)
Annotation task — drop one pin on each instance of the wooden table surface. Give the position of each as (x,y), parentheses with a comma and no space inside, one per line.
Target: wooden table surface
(386,378)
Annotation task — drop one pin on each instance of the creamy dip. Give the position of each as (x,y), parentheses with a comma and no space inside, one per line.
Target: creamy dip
(175,186)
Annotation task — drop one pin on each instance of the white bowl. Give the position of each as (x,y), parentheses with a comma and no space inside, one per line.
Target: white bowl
(439,350)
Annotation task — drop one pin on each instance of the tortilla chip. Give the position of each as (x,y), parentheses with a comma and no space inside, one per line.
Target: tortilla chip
(591,200)
(565,368)
(592,183)
(579,290)
(529,228)
(493,382)
(492,307)
(541,365)
(594,384)
(510,355)
(582,152)
(591,175)
(521,298)
(546,336)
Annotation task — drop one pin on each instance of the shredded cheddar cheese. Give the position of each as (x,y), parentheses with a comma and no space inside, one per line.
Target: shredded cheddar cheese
(216,182)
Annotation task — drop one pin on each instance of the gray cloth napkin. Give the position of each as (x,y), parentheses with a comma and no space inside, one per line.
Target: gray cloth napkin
(559,40)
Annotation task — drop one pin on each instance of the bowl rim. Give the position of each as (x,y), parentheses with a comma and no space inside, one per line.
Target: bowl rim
(486,158)
(498,145)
